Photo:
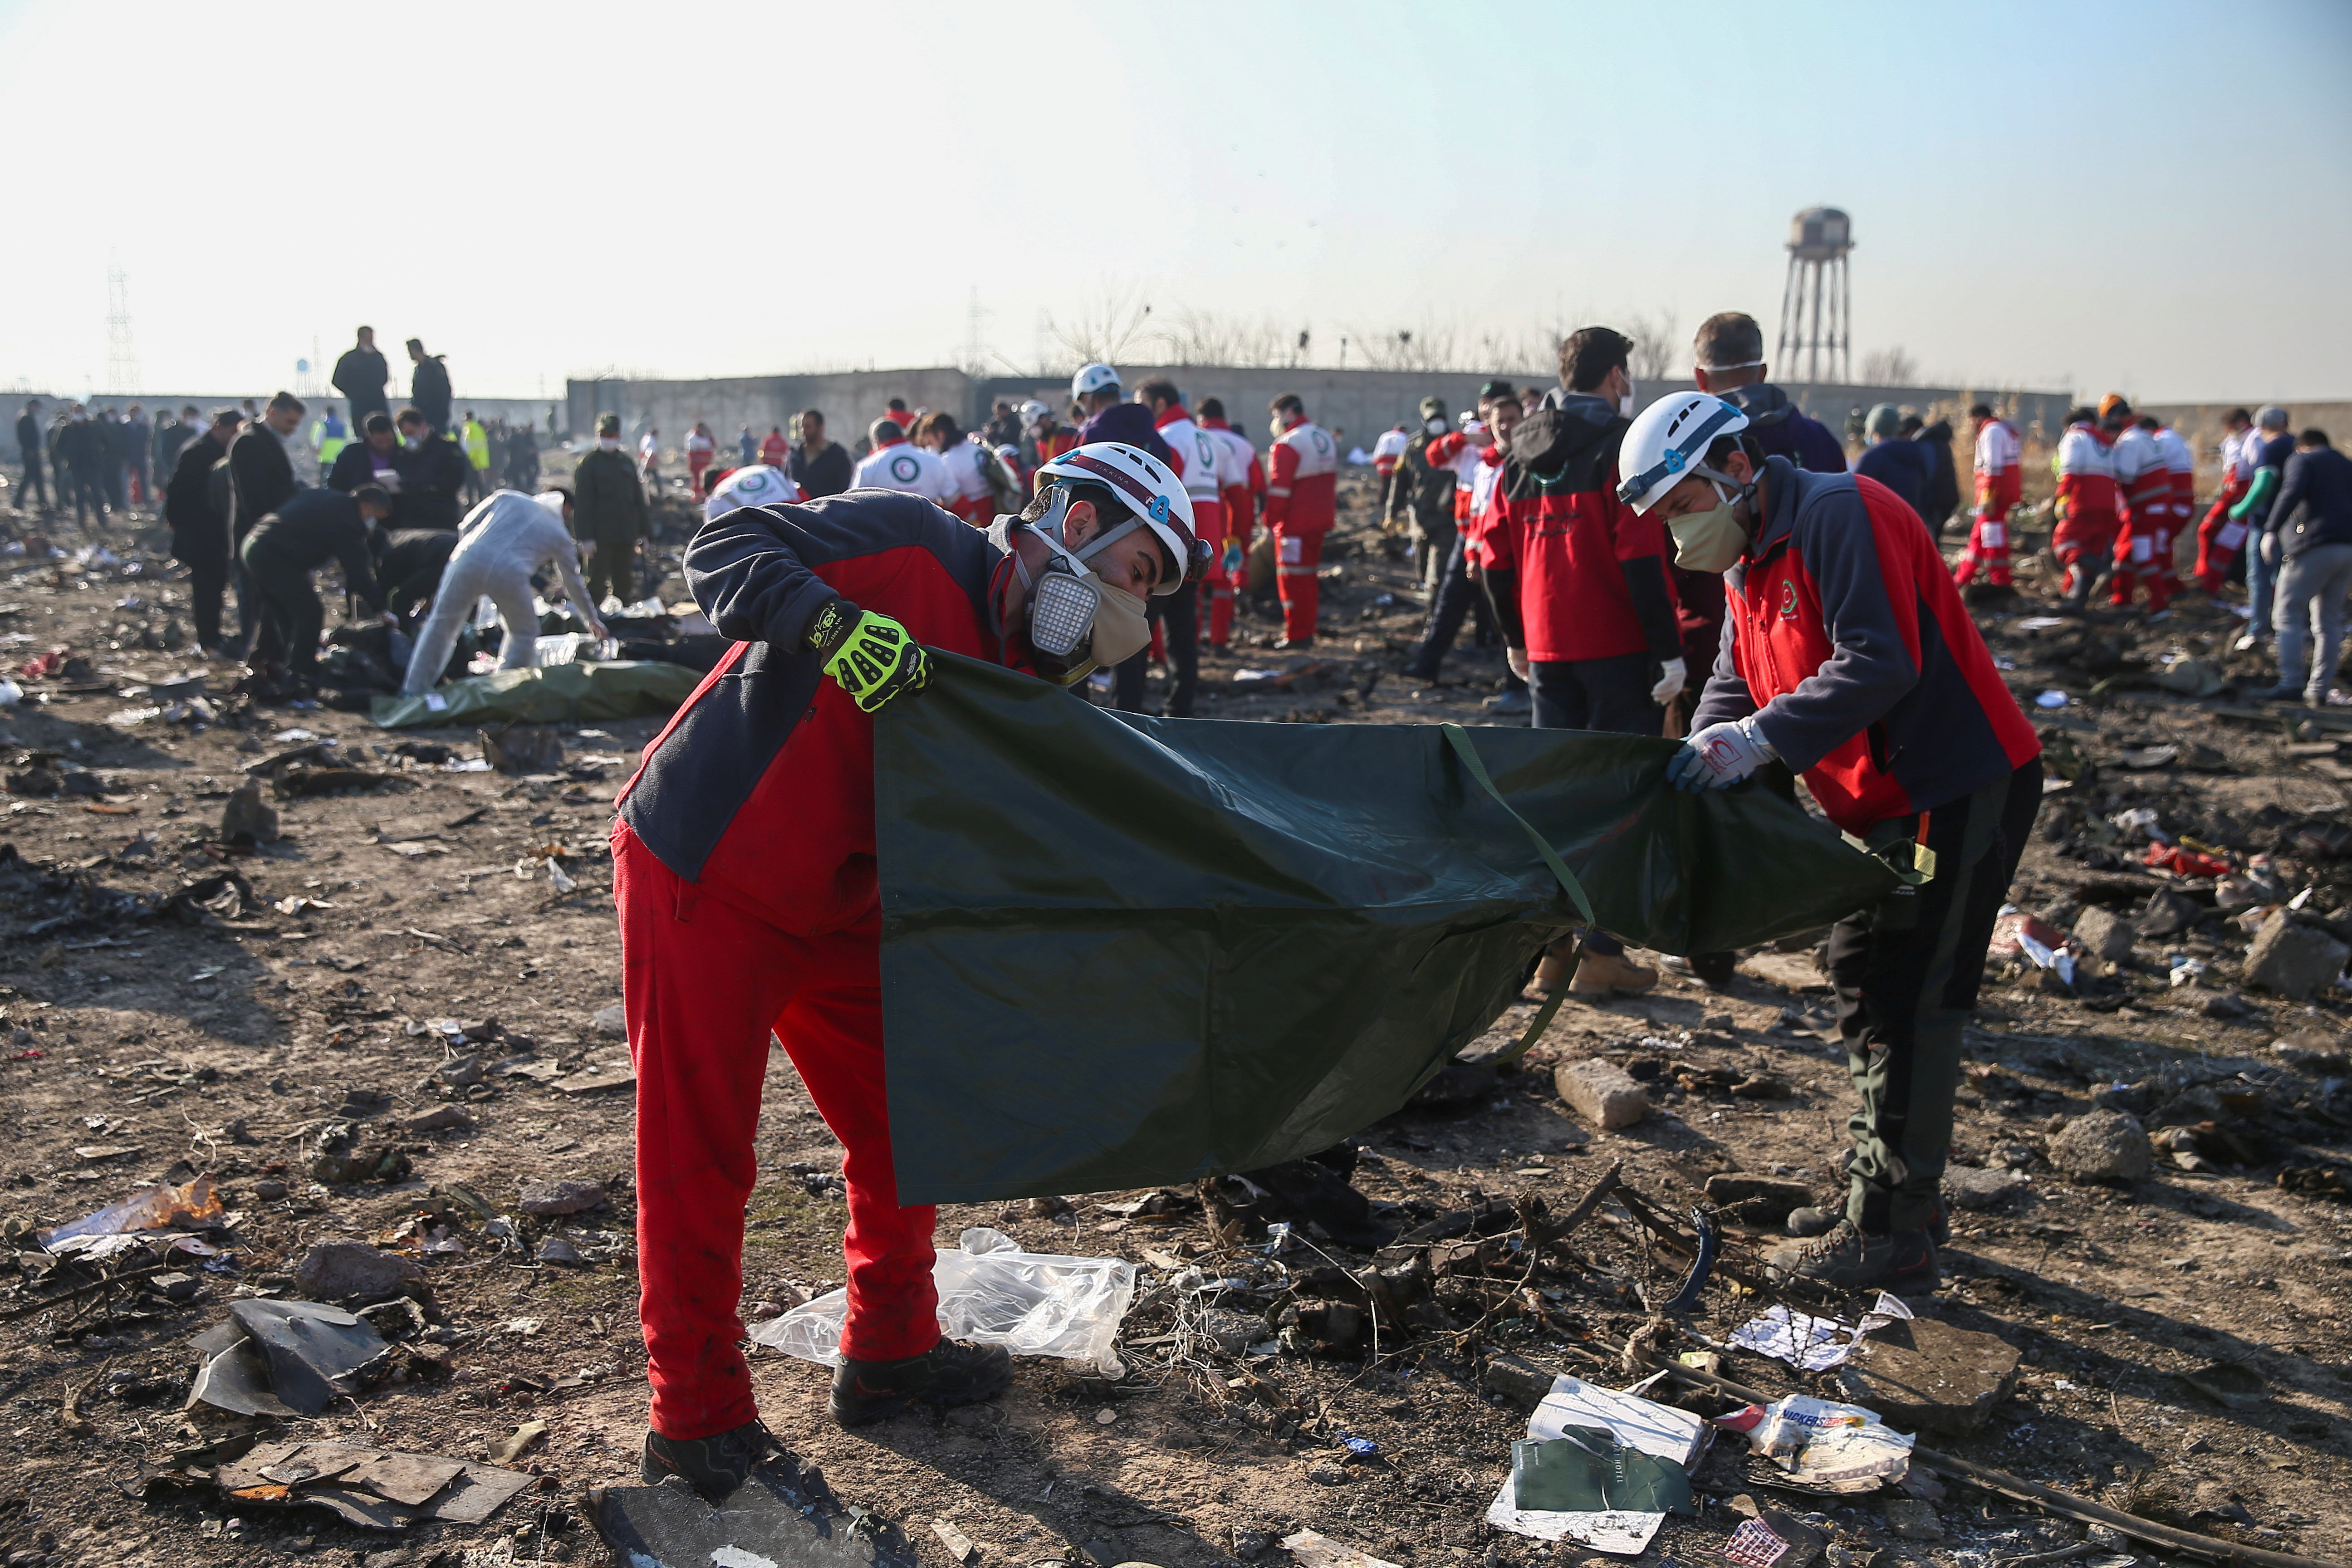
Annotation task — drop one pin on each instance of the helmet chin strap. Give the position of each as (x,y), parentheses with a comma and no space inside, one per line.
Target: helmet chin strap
(1050,527)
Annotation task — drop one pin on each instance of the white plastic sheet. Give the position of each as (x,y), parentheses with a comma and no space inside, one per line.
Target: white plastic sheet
(993,1293)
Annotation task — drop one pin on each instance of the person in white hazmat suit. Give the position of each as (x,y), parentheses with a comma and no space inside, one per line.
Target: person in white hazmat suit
(499,544)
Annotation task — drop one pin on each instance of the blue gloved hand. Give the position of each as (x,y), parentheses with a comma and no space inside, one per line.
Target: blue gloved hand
(1233,557)
(1720,756)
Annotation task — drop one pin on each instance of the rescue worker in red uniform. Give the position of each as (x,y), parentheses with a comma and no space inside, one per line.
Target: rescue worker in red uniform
(2086,503)
(2180,468)
(2000,481)
(744,874)
(1579,586)
(2218,539)
(1302,501)
(2144,503)
(1848,655)
(1241,481)
(1047,437)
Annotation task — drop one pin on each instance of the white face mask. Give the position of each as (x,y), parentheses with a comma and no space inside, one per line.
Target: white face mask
(412,442)
(1435,426)
(1625,403)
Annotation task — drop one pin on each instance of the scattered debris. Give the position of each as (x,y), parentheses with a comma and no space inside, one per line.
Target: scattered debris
(284,1358)
(374,1489)
(353,1270)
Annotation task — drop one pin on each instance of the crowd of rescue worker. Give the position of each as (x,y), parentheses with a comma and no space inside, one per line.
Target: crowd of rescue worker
(1705,570)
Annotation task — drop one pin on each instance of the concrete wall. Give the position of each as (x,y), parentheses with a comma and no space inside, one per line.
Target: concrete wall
(850,401)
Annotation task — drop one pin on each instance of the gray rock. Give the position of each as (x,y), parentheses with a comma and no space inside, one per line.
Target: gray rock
(1760,1200)
(1971,1188)
(340,1271)
(2103,1146)
(463,1073)
(1233,1332)
(1913,1520)
(2104,934)
(1602,1092)
(440,1119)
(2293,959)
(245,811)
(1925,1373)
(545,1200)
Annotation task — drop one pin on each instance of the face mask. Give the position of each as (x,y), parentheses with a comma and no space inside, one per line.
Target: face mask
(1625,403)
(1435,426)
(1274,426)
(1710,540)
(608,443)
(412,442)
(1077,621)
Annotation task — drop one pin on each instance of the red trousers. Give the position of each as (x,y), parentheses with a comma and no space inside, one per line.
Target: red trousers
(2079,541)
(1988,546)
(2143,554)
(1296,558)
(703,983)
(2218,539)
(696,463)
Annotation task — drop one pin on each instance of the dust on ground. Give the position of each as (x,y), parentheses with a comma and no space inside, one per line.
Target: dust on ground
(148,1039)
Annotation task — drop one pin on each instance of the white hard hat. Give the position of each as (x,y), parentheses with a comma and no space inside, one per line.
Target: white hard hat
(761,484)
(1151,491)
(1009,452)
(1034,413)
(1091,379)
(1668,441)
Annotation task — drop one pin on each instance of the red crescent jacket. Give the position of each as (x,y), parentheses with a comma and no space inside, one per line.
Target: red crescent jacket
(1453,450)
(1589,572)
(1302,481)
(2143,483)
(1242,500)
(1847,640)
(2087,474)
(761,788)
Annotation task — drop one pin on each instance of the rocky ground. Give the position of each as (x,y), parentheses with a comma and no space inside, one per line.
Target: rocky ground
(294,1019)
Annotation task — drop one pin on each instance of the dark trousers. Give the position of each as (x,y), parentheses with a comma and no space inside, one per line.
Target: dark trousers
(1611,695)
(34,485)
(1906,973)
(289,610)
(207,580)
(1456,598)
(1178,618)
(88,492)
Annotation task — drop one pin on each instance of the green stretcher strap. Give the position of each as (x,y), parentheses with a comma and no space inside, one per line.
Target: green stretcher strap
(1544,1014)
(1469,755)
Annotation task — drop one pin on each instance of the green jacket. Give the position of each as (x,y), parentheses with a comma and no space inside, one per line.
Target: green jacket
(608,502)
(1420,492)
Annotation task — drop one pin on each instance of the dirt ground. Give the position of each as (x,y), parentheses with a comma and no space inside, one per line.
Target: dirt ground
(242,1039)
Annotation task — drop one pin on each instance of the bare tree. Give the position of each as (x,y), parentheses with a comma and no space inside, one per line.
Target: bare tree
(1890,367)
(1659,352)
(1115,325)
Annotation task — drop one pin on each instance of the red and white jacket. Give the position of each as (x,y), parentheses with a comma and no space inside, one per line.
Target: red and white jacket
(1241,478)
(1302,481)
(903,466)
(2180,467)
(1487,511)
(2143,486)
(973,501)
(2000,477)
(2087,474)
(1388,450)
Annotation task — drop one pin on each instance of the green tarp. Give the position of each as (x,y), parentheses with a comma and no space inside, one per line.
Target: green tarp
(1120,950)
(559,694)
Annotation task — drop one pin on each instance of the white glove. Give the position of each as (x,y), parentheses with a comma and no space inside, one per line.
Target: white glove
(1672,676)
(1720,756)
(1517,657)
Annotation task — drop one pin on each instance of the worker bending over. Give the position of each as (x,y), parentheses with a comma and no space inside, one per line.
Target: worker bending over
(745,880)
(501,545)
(1848,657)
(309,529)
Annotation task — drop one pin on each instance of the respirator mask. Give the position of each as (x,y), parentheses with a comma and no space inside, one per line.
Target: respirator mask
(1712,541)
(1078,622)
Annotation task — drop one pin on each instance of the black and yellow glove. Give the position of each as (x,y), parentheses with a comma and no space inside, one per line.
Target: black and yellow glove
(871,657)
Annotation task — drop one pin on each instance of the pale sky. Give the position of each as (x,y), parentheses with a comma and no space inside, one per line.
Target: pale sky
(2156,198)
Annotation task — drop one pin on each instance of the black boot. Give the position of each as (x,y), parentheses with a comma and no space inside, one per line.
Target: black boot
(713,1465)
(950,1372)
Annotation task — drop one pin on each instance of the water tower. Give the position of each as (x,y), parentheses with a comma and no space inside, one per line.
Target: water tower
(1819,240)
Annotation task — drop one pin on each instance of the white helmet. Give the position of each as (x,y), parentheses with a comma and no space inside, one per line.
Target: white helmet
(1033,414)
(1667,442)
(1151,491)
(758,485)
(1091,380)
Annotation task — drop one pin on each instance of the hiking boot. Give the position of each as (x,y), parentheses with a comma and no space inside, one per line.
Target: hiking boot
(950,1372)
(1508,702)
(1611,973)
(713,1465)
(1809,1222)
(1714,970)
(1553,971)
(1846,1259)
